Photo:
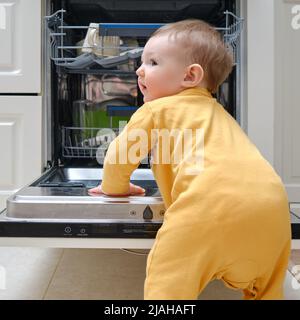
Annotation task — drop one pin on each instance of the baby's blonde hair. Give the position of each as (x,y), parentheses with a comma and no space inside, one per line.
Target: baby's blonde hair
(201,43)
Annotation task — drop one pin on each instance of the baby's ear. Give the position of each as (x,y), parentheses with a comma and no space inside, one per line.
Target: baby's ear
(194,75)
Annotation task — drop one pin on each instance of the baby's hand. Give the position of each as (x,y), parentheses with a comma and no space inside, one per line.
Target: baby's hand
(133,190)
(96,190)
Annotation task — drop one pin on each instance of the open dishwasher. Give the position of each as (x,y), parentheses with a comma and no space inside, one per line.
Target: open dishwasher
(91,51)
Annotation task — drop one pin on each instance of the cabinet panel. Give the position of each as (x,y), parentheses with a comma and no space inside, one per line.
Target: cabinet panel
(20,54)
(20,142)
(260,75)
(9,136)
(288,96)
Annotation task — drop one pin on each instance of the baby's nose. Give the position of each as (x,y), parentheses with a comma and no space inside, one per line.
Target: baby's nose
(140,72)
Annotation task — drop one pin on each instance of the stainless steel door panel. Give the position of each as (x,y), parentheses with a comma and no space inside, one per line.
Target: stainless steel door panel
(36,202)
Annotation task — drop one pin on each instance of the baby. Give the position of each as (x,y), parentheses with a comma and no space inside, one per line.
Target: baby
(227,211)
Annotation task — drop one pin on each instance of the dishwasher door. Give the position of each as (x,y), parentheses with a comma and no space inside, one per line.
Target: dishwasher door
(58,205)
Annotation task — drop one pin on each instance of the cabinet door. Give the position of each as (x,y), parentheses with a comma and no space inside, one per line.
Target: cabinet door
(288,96)
(20,42)
(20,143)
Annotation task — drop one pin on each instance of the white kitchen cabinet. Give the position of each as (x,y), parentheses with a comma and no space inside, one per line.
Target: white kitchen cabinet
(259,74)
(20,41)
(20,143)
(287,97)
(272,82)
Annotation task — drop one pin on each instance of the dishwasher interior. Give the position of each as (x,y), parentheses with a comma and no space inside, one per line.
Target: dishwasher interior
(95,49)
(91,51)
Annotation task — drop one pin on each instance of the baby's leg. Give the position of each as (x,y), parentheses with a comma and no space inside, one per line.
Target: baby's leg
(270,286)
(183,259)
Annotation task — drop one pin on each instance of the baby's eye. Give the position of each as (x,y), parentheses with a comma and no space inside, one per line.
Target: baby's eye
(153,62)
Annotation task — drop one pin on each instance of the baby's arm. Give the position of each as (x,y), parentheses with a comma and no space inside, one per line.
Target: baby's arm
(125,154)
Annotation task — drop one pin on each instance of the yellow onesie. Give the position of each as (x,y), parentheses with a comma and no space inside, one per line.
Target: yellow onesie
(229,221)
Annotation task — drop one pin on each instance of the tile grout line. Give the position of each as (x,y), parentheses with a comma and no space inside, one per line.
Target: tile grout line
(55,269)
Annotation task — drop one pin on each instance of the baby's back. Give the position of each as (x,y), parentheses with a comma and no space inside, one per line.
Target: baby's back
(232,174)
(232,215)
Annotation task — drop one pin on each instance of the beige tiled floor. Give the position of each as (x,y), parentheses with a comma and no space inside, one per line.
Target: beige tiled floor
(98,274)
(28,271)
(36,273)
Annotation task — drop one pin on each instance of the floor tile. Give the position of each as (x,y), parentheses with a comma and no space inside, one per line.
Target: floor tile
(98,274)
(26,272)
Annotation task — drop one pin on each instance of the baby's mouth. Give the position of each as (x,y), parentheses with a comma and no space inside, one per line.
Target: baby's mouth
(142,87)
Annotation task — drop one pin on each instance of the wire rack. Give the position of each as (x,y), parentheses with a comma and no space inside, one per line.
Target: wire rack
(64,53)
(83,142)
(232,33)
(91,142)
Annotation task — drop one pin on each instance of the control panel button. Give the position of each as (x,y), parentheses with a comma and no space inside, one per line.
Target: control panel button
(82,230)
(68,229)
(148,214)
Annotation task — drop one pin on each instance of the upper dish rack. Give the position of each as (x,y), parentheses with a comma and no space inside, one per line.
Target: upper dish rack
(113,46)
